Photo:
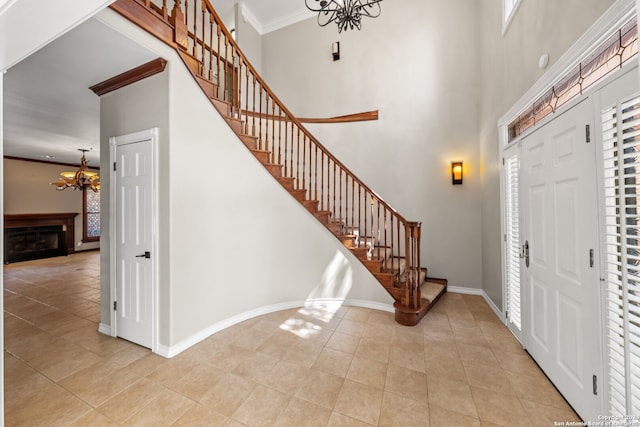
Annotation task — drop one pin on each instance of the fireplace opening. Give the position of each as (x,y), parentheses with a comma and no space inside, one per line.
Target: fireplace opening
(26,243)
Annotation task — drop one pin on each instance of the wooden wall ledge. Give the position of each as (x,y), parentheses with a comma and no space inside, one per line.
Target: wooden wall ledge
(141,72)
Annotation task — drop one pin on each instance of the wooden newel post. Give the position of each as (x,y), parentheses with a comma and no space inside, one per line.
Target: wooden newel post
(180,34)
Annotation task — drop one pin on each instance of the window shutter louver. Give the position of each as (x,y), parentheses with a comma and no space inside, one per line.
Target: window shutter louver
(512,233)
(621,157)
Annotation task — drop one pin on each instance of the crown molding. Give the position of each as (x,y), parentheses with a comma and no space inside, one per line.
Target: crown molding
(287,20)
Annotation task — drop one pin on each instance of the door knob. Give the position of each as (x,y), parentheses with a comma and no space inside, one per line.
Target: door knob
(146,255)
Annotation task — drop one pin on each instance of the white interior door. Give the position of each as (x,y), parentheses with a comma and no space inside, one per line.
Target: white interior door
(133,238)
(561,311)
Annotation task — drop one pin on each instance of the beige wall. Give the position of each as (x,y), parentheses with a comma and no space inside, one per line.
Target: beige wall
(418,64)
(27,190)
(509,67)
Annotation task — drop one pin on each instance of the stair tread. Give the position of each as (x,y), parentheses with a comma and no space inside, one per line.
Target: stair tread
(430,290)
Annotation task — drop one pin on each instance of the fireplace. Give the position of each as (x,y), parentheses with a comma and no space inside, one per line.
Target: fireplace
(33,236)
(25,243)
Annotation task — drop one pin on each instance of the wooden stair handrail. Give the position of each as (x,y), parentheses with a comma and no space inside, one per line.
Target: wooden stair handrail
(283,108)
(384,228)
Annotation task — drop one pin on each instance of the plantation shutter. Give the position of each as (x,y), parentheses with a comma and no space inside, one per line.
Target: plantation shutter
(512,241)
(621,155)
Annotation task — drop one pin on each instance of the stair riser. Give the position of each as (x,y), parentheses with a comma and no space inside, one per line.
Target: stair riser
(275,170)
(312,205)
(223,107)
(287,183)
(374,266)
(336,229)
(236,125)
(250,141)
(262,156)
(385,279)
(323,217)
(299,195)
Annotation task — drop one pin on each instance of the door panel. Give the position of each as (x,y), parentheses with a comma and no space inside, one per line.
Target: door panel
(561,326)
(134,290)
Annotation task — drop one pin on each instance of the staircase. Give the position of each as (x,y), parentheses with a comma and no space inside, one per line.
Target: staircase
(383,240)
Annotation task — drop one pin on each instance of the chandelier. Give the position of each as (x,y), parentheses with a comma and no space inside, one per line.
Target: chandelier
(79,180)
(347,14)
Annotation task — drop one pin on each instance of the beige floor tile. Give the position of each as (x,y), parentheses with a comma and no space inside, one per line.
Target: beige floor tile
(98,383)
(477,354)
(518,363)
(537,389)
(451,395)
(94,419)
(164,409)
(413,375)
(446,366)
(441,417)
(302,413)
(547,415)
(499,408)
(374,349)
(255,365)
(48,405)
(339,420)
(399,411)
(228,394)
(130,401)
(262,407)
(285,377)
(410,357)
(197,382)
(491,379)
(303,354)
(351,327)
(343,342)
(470,335)
(359,401)
(369,372)
(199,415)
(407,383)
(320,388)
(333,362)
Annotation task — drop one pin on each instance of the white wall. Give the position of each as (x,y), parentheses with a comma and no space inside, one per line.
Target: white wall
(233,239)
(249,39)
(28,25)
(509,67)
(27,190)
(418,64)
(137,107)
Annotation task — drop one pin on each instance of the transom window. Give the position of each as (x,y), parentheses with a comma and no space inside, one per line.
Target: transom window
(509,8)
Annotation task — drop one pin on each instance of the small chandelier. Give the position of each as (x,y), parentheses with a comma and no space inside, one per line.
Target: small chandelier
(347,14)
(79,180)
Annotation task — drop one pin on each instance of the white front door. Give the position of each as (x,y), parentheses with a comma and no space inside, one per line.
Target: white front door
(561,317)
(133,240)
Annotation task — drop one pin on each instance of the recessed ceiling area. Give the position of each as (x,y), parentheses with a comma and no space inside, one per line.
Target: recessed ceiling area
(48,107)
(49,111)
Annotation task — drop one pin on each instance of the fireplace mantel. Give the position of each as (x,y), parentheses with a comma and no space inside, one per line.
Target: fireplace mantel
(66,219)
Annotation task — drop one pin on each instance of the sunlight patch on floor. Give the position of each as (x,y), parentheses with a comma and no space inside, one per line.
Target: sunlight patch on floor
(324,300)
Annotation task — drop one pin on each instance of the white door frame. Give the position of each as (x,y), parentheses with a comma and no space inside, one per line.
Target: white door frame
(153,135)
(619,13)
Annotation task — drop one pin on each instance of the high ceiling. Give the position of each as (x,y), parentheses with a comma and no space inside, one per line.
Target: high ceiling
(49,112)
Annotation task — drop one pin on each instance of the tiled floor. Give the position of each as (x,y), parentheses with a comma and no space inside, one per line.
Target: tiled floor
(305,367)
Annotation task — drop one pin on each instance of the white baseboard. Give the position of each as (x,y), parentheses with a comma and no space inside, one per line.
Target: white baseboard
(483,294)
(104,329)
(174,350)
(466,291)
(494,307)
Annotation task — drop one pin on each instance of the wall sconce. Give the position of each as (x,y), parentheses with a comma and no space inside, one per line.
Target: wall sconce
(456,173)
(335,50)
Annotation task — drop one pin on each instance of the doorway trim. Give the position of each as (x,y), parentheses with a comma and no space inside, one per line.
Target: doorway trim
(153,135)
(619,13)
